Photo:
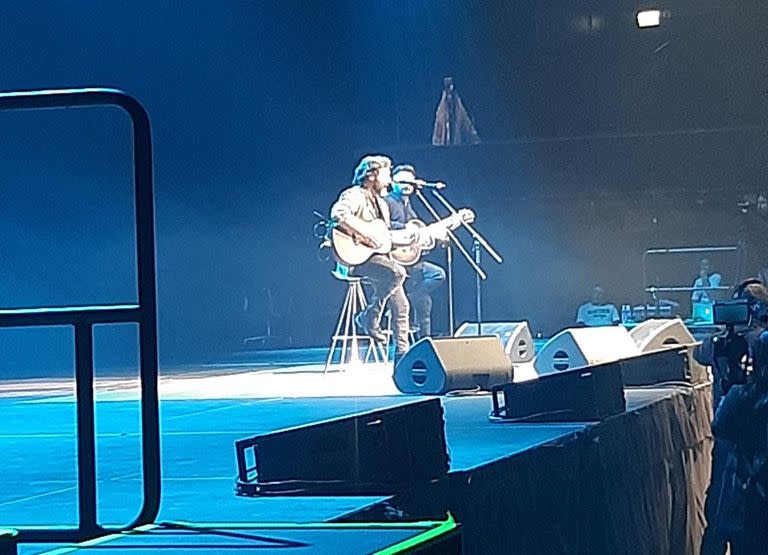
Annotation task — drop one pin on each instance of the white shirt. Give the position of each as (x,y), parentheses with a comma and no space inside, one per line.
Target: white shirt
(702,296)
(355,202)
(598,314)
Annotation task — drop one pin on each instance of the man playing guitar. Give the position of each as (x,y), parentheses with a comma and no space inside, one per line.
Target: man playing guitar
(423,276)
(362,237)
(364,202)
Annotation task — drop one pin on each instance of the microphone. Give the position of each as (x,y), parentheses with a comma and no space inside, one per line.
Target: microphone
(420,183)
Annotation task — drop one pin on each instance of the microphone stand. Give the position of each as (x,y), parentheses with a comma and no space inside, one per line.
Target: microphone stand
(479,238)
(449,275)
(479,241)
(478,297)
(451,235)
(453,240)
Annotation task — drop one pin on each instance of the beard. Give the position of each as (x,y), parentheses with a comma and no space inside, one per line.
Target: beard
(383,189)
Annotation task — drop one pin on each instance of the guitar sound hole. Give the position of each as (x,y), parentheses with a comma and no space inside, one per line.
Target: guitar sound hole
(419,372)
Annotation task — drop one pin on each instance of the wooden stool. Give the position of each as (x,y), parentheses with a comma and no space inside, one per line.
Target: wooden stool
(347,338)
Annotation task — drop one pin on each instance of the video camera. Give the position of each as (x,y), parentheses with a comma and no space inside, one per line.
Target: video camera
(727,352)
(732,313)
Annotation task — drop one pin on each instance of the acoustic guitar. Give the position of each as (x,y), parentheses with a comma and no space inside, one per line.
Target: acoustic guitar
(353,247)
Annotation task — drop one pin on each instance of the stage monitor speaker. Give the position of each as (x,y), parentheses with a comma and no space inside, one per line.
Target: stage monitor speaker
(579,347)
(657,334)
(579,395)
(437,366)
(378,452)
(670,365)
(515,337)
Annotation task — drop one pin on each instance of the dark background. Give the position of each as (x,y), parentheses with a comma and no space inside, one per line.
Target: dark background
(599,140)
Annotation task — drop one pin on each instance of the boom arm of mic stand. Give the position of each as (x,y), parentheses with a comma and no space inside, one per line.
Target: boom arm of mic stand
(451,235)
(496,256)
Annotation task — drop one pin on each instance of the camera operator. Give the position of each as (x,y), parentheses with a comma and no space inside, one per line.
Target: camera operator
(737,505)
(742,419)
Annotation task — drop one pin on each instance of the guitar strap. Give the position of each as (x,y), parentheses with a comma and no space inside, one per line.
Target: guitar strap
(410,213)
(376,207)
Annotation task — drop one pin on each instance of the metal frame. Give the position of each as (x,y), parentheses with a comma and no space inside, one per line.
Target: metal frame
(653,289)
(83,318)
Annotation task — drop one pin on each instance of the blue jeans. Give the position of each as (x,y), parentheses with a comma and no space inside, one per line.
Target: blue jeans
(386,278)
(423,278)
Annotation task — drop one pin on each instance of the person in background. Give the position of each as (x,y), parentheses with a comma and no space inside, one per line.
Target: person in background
(753,231)
(707,278)
(597,312)
(453,126)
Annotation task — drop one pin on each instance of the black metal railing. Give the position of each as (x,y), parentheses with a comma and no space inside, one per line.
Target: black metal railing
(83,318)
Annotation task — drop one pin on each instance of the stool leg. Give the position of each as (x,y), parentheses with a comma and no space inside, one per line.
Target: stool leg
(368,339)
(347,337)
(354,356)
(336,335)
(349,325)
(373,350)
(360,305)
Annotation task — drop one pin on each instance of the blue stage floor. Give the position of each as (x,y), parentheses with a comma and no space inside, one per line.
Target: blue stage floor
(37,450)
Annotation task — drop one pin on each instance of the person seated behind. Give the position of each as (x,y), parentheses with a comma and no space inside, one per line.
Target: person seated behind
(423,277)
(597,312)
(706,278)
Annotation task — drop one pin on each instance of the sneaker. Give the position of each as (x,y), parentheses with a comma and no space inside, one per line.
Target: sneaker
(374,333)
